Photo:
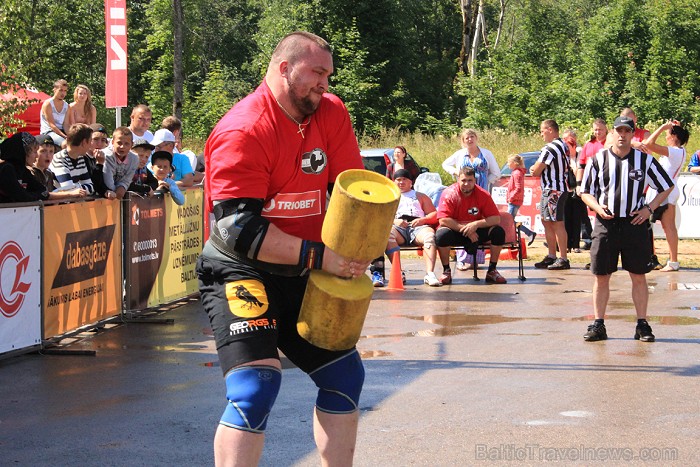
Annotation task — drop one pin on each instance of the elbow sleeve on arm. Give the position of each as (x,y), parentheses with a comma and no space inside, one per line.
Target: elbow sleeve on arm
(240,226)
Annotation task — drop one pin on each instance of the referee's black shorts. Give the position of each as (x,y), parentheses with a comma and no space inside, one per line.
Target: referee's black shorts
(619,237)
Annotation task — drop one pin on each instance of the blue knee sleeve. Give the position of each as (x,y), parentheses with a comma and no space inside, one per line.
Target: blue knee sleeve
(251,391)
(339,384)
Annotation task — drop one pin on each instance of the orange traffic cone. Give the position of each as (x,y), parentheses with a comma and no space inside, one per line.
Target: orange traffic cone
(395,280)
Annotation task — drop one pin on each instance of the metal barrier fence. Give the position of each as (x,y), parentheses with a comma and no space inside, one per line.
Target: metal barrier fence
(66,267)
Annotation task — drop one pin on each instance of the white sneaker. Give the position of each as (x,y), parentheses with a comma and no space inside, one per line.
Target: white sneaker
(431,280)
(463,266)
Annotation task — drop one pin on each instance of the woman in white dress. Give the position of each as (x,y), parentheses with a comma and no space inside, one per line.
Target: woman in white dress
(672,159)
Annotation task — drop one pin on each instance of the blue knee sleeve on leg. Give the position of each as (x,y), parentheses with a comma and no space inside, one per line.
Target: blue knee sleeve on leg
(339,384)
(251,391)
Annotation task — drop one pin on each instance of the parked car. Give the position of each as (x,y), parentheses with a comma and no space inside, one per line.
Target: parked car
(529,159)
(378,159)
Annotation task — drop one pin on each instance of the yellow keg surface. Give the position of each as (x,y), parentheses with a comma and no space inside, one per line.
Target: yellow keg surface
(360,214)
(334,310)
(371,191)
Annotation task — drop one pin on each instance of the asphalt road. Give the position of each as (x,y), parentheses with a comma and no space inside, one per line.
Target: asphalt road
(469,374)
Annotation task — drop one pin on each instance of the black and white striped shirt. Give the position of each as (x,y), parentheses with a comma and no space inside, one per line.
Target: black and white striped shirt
(620,183)
(72,173)
(553,155)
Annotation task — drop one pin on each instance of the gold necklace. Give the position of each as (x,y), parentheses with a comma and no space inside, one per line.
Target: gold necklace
(301,124)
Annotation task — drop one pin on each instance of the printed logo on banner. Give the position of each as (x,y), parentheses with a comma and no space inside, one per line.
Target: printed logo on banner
(84,255)
(294,205)
(135,215)
(13,266)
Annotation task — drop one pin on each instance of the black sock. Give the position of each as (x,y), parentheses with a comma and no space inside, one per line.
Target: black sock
(492,266)
(599,322)
(446,267)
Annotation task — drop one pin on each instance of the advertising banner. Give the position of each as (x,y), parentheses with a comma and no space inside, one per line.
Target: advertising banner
(20,278)
(687,208)
(116,73)
(144,224)
(182,246)
(529,212)
(82,264)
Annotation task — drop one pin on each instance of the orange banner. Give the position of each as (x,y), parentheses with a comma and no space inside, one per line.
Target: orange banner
(82,265)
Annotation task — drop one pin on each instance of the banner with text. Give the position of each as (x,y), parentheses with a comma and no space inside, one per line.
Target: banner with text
(20,278)
(116,73)
(182,246)
(82,265)
(144,235)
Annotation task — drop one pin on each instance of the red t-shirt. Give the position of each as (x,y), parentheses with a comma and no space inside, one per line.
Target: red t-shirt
(256,151)
(455,205)
(639,134)
(589,150)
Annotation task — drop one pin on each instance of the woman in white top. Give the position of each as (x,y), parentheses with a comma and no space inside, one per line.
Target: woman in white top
(483,163)
(81,110)
(672,160)
(471,155)
(53,113)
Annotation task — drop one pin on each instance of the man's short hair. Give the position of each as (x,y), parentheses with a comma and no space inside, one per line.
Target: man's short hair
(122,131)
(141,108)
(628,112)
(59,83)
(78,133)
(467,171)
(293,46)
(172,123)
(549,123)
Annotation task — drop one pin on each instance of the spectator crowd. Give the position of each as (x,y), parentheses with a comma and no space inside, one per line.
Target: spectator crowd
(75,157)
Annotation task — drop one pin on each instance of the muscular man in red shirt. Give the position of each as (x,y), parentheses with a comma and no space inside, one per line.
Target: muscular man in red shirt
(270,162)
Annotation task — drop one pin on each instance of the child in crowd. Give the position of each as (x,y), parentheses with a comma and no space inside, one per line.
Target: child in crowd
(516,192)
(144,182)
(161,164)
(40,167)
(120,163)
(96,157)
(72,165)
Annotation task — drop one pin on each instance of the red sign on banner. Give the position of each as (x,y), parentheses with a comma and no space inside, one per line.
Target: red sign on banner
(116,76)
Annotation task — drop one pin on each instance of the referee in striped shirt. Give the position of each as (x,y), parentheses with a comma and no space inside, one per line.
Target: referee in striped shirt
(613,186)
(552,167)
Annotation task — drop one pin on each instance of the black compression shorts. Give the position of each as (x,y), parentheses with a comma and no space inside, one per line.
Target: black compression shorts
(253,313)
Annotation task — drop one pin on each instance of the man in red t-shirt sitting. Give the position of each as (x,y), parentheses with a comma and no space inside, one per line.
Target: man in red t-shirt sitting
(469,217)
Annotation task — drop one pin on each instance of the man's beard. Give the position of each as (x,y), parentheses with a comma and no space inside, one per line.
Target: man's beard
(467,191)
(303,104)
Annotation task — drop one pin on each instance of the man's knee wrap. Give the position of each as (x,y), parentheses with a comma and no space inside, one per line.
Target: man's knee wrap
(497,235)
(251,391)
(339,384)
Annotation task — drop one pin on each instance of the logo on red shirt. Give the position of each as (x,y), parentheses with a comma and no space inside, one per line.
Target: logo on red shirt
(314,162)
(294,205)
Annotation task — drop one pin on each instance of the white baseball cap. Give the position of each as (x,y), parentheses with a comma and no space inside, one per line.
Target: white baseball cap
(163,136)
